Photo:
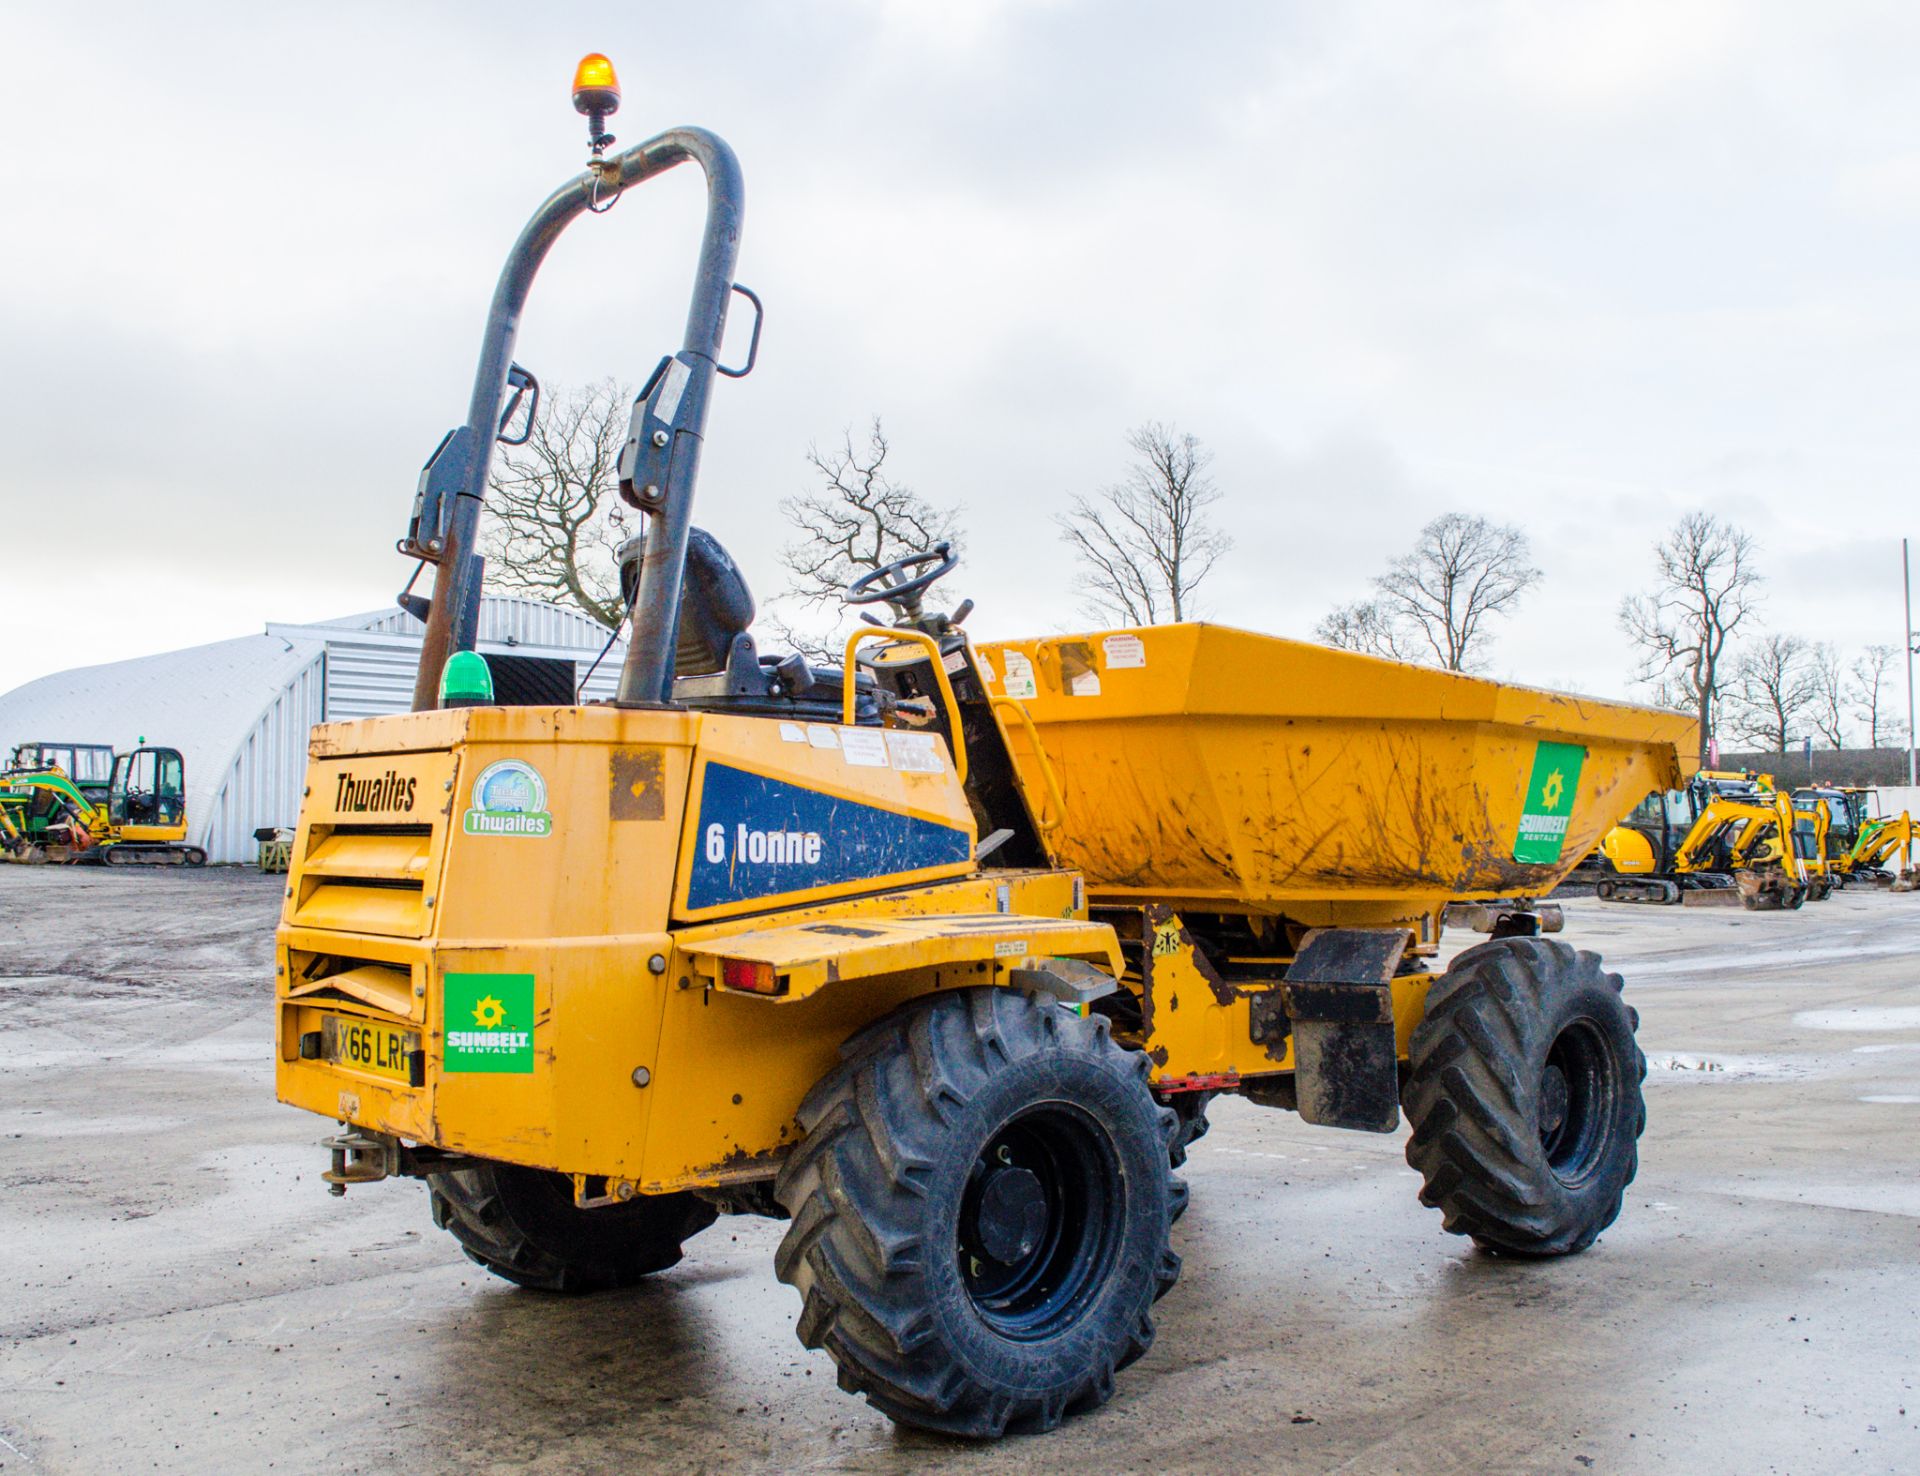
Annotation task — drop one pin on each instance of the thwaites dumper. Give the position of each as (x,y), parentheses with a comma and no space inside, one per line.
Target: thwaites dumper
(937,957)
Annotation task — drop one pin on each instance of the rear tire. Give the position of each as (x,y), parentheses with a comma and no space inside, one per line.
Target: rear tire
(1524,1097)
(1191,1125)
(522,1224)
(980,1213)
(1190,1112)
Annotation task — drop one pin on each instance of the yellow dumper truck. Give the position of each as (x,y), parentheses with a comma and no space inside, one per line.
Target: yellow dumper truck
(937,956)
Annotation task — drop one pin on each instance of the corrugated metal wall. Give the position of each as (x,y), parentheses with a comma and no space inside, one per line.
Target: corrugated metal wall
(371,659)
(241,711)
(368,678)
(262,784)
(366,669)
(504,620)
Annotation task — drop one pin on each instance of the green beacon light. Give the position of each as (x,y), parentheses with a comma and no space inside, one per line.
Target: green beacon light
(465,681)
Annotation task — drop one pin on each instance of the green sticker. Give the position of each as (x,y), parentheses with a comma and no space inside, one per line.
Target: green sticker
(489,1023)
(1543,820)
(509,798)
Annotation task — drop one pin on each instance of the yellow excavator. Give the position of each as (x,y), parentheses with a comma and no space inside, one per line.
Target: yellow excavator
(1763,844)
(1889,838)
(51,813)
(1706,844)
(1844,811)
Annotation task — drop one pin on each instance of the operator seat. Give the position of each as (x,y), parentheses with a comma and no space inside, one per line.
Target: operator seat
(717,666)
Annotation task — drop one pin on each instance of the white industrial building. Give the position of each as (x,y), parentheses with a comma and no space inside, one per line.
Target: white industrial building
(240,711)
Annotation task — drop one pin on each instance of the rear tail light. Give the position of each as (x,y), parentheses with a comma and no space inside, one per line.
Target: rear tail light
(749,974)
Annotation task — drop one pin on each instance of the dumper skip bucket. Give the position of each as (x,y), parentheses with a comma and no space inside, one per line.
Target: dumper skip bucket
(1234,772)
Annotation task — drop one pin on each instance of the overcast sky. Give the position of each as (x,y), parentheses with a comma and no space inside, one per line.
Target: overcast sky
(1581,267)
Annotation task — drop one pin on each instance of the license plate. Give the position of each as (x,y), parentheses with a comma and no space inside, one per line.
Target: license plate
(368,1045)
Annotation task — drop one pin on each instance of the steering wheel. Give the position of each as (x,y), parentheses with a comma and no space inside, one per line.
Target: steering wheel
(898,585)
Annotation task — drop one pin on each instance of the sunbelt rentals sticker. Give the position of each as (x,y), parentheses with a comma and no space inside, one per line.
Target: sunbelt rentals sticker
(509,798)
(1543,819)
(489,1023)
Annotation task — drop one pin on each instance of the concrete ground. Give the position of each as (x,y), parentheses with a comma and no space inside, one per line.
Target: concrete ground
(177,1292)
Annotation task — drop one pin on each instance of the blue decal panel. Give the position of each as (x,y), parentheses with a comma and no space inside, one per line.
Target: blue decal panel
(759,837)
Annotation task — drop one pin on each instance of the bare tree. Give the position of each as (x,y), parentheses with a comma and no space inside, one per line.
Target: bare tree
(555,514)
(857,519)
(1462,572)
(1146,543)
(1363,626)
(1774,682)
(1707,586)
(1870,676)
(1827,709)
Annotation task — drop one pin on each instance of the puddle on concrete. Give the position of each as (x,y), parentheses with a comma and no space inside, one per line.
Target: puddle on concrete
(1901,1098)
(1861,1017)
(1881,1050)
(1718,1066)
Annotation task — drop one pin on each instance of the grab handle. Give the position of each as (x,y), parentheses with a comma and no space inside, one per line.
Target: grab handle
(955,740)
(1054,797)
(753,347)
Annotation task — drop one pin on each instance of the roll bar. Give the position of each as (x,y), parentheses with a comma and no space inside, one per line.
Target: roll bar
(672,451)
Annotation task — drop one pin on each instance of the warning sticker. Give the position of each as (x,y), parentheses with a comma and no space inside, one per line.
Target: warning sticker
(865,747)
(823,737)
(916,753)
(1020,681)
(792,733)
(1078,673)
(1124,650)
(671,389)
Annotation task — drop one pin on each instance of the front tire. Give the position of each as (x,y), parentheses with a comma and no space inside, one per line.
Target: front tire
(522,1225)
(1524,1094)
(980,1213)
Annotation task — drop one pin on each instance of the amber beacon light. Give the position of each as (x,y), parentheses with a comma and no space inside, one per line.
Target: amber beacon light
(596,92)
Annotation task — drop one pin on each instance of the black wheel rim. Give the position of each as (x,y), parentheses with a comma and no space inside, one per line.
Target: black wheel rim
(1039,1221)
(1579,1094)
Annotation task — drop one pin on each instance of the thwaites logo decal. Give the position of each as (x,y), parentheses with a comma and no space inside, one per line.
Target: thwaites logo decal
(1550,790)
(759,837)
(509,798)
(363,792)
(489,1023)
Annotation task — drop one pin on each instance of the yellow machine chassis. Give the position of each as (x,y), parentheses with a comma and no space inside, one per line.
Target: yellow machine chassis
(670,1011)
(649,1069)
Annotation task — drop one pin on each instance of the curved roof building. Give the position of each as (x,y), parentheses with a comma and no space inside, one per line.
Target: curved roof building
(239,711)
